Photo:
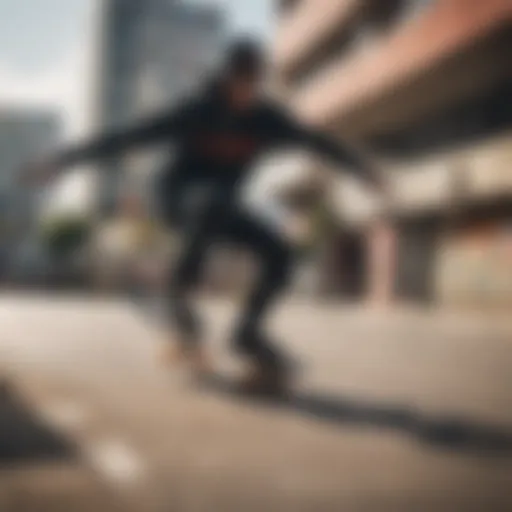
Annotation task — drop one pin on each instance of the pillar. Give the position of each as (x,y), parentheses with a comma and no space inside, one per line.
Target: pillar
(381,263)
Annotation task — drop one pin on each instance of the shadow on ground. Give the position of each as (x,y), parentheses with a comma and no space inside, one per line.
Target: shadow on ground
(455,434)
(24,438)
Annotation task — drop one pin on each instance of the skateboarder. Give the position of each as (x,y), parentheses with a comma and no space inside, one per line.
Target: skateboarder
(218,134)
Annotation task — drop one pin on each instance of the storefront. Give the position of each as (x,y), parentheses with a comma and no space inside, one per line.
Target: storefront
(474,266)
(453,228)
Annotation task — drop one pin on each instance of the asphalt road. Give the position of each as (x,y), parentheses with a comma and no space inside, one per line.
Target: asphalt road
(394,411)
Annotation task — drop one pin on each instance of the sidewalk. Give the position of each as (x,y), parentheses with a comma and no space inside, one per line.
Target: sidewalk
(41,470)
(394,412)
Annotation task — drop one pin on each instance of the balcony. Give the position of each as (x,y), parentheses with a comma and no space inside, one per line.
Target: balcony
(404,58)
(307,27)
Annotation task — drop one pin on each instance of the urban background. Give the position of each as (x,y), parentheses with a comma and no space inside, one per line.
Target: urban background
(422,86)
(402,319)
(425,87)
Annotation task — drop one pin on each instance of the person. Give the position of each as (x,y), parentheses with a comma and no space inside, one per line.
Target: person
(217,134)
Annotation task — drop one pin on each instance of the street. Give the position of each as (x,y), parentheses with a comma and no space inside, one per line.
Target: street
(399,411)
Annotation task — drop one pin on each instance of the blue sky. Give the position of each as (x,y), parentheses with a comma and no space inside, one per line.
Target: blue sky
(45,48)
(35,33)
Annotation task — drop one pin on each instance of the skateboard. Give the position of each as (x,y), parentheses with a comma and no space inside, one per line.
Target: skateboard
(249,383)
(234,387)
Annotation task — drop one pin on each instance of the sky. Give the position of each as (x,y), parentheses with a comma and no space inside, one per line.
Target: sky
(45,50)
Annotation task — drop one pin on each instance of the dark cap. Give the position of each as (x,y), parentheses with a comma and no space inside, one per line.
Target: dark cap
(245,58)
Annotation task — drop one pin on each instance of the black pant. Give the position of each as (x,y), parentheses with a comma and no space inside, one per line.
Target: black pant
(217,219)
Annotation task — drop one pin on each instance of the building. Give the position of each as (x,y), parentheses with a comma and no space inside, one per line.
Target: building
(24,133)
(150,55)
(425,87)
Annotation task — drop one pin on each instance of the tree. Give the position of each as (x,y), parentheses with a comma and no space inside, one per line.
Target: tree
(64,236)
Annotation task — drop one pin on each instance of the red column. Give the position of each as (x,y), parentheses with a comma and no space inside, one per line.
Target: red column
(381,264)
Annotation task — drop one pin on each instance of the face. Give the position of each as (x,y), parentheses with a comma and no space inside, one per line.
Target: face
(244,91)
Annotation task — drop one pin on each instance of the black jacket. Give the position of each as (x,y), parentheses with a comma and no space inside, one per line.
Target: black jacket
(216,145)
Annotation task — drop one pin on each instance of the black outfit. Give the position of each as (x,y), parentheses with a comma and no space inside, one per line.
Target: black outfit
(216,147)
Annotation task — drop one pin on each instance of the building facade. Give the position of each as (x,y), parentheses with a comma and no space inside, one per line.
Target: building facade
(151,54)
(24,133)
(425,87)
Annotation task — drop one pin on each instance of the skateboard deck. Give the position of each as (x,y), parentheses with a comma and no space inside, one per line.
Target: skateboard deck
(232,386)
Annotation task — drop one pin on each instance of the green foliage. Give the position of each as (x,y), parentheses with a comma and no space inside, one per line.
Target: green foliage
(63,236)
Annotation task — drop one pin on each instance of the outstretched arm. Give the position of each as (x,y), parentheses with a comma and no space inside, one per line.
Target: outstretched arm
(161,127)
(342,154)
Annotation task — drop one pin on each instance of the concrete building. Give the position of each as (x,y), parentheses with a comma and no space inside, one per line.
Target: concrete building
(426,87)
(150,55)
(24,133)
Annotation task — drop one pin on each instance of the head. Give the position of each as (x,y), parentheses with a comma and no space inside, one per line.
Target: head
(244,72)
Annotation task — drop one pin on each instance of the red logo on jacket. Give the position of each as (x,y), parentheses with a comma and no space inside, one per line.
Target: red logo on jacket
(227,148)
